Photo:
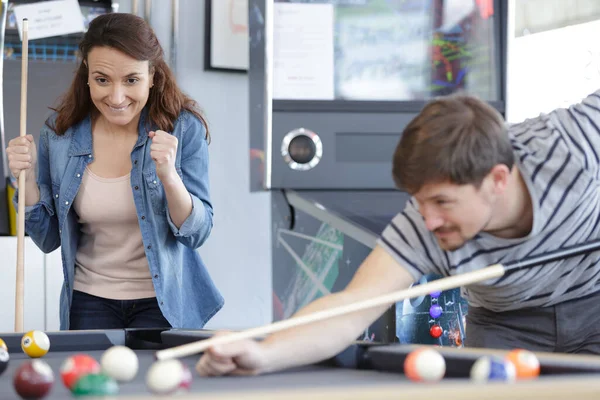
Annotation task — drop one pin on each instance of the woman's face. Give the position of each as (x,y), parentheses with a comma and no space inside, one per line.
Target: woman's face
(119,85)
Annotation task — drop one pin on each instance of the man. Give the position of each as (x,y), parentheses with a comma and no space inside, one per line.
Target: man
(482,193)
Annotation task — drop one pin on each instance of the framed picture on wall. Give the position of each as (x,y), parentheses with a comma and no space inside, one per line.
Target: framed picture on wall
(226,35)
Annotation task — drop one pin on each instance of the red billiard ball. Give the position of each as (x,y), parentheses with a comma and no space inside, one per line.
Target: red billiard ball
(436,331)
(76,366)
(33,379)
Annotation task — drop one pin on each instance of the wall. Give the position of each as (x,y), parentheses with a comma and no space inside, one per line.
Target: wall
(533,16)
(552,69)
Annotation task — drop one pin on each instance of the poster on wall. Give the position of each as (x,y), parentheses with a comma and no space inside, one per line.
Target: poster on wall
(226,35)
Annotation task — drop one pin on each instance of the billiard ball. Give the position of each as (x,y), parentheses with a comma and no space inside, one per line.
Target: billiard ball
(95,385)
(76,366)
(168,377)
(436,331)
(3,345)
(33,379)
(4,359)
(525,362)
(35,344)
(492,368)
(120,363)
(424,364)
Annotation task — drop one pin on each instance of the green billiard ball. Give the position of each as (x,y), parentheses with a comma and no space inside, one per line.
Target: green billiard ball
(95,385)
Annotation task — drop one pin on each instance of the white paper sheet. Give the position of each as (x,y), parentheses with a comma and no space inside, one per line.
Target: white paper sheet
(303,56)
(50,18)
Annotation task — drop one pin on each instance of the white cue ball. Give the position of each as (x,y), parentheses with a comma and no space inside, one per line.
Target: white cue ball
(120,363)
(168,377)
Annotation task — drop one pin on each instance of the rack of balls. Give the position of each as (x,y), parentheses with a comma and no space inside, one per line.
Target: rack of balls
(83,375)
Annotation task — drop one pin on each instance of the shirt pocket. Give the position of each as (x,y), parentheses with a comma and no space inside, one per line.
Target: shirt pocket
(156,192)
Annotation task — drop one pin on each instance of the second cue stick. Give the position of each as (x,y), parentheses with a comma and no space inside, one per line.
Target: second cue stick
(451,282)
(20,279)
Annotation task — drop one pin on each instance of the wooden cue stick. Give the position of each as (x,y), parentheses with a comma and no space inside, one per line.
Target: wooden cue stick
(451,282)
(493,271)
(20,286)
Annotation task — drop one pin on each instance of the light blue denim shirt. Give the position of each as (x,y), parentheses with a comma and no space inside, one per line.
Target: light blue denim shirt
(185,292)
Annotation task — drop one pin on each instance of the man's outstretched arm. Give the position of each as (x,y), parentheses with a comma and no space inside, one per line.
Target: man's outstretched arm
(377,275)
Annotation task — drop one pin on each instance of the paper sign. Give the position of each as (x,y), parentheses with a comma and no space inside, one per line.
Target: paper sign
(50,18)
(303,51)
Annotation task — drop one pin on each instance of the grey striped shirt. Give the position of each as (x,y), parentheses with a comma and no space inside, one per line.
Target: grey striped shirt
(558,155)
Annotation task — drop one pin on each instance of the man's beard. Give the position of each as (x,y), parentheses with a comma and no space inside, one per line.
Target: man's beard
(448,243)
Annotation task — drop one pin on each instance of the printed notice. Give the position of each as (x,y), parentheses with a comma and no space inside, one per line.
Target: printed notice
(50,18)
(303,56)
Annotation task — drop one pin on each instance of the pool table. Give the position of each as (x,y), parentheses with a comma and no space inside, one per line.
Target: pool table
(365,370)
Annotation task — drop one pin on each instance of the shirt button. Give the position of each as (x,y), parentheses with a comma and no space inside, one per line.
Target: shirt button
(78,175)
(60,231)
(89,156)
(56,196)
(154,182)
(66,203)
(161,303)
(143,217)
(156,276)
(136,187)
(135,161)
(149,247)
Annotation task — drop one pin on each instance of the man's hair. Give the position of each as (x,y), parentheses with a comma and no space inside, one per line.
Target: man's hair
(456,139)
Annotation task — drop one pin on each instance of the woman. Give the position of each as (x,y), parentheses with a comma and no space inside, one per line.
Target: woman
(120,182)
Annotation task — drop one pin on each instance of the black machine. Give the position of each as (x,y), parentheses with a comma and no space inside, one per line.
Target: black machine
(332,85)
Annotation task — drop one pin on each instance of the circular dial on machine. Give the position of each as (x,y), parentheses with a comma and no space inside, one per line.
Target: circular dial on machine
(301,149)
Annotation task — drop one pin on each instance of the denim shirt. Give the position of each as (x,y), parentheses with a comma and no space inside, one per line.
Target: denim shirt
(185,292)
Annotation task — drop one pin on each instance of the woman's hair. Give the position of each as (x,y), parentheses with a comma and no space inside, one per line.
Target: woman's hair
(133,36)
(456,139)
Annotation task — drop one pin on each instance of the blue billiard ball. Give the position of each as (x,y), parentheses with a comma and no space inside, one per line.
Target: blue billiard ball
(492,368)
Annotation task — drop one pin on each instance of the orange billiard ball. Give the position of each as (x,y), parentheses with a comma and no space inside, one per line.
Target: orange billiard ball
(425,365)
(526,363)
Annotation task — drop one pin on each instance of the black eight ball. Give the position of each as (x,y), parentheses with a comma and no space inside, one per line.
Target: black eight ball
(4,358)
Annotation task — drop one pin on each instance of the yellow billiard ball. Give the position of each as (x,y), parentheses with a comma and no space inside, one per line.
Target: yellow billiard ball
(3,345)
(35,344)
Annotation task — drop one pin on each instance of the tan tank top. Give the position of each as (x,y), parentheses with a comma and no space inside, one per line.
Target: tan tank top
(110,261)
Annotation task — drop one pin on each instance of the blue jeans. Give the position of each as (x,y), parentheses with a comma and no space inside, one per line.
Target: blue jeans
(92,312)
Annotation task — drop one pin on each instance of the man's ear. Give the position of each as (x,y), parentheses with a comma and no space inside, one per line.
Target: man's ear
(500,176)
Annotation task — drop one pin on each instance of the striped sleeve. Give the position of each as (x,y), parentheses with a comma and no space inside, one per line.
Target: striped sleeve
(409,242)
(580,126)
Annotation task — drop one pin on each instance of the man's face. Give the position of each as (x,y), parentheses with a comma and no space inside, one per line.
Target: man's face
(456,213)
